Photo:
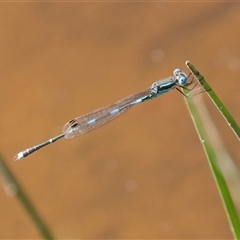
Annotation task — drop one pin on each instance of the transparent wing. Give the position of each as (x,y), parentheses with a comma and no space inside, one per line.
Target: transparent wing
(98,118)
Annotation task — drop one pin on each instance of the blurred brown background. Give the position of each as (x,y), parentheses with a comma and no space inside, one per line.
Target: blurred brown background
(143,175)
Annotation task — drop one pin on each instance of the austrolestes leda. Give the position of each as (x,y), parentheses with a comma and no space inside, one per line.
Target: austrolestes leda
(91,121)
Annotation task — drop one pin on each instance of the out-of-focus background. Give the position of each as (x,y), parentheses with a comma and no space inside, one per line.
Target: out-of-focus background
(144,175)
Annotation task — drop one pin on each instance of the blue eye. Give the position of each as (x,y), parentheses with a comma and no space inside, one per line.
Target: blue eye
(182,80)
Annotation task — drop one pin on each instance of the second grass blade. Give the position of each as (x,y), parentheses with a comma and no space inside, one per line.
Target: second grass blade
(222,109)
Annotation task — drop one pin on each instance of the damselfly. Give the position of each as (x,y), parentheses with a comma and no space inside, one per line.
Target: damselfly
(102,116)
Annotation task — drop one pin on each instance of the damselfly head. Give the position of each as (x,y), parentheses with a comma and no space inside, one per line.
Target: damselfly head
(180,76)
(176,72)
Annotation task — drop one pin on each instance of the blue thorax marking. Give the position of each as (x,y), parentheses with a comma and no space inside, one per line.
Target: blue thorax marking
(166,86)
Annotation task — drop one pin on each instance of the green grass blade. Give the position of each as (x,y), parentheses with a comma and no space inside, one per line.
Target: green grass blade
(213,163)
(13,187)
(222,109)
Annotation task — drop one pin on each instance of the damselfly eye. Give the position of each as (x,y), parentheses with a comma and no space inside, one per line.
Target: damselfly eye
(182,80)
